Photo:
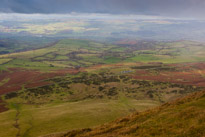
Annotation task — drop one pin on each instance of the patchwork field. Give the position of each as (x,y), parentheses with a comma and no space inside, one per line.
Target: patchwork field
(84,53)
(55,88)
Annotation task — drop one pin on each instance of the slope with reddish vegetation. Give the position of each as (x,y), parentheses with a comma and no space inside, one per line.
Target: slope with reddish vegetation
(28,78)
(189,74)
(17,78)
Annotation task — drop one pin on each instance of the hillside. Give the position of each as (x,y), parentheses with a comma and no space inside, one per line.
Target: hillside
(183,117)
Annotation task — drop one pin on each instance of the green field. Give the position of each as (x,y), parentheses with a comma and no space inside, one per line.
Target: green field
(71,53)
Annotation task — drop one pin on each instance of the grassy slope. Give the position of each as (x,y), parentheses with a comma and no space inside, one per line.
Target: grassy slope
(36,120)
(183,117)
(18,43)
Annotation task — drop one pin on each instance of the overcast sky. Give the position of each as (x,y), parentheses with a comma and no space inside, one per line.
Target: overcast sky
(172,8)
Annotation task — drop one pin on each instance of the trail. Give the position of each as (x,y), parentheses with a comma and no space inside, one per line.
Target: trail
(16,124)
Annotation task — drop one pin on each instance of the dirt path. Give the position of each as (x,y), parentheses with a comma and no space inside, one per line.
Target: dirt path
(16,124)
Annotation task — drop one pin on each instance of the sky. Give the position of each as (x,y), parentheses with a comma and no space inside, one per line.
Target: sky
(171,8)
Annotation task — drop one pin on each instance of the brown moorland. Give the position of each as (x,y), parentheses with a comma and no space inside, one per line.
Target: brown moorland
(29,78)
(187,73)
(16,78)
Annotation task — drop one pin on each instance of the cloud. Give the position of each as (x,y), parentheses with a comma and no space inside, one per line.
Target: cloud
(176,8)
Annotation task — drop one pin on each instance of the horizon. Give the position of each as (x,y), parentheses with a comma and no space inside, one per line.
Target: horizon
(44,16)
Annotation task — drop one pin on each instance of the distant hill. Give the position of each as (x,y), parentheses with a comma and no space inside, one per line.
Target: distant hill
(182,118)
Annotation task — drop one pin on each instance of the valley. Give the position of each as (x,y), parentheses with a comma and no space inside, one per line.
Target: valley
(54,88)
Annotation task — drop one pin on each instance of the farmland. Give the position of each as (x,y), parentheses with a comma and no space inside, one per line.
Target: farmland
(74,80)
(84,53)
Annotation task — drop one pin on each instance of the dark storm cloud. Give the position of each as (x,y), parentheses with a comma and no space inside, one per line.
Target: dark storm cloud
(190,8)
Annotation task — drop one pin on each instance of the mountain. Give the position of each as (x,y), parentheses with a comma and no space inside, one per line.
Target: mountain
(183,117)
